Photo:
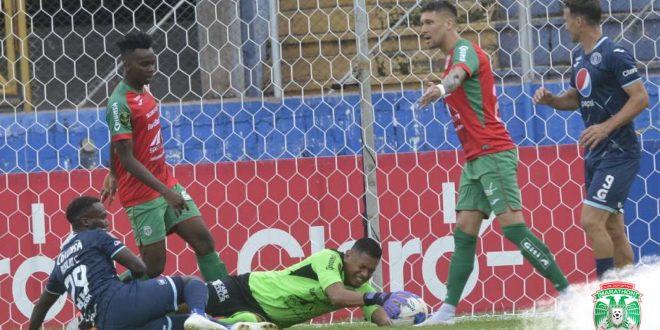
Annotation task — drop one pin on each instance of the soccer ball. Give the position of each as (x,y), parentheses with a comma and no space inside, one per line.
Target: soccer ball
(414,311)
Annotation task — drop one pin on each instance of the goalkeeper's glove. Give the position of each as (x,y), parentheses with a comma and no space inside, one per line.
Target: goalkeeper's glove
(391,302)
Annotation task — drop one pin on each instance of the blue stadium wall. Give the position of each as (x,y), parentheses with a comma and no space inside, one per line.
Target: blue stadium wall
(315,127)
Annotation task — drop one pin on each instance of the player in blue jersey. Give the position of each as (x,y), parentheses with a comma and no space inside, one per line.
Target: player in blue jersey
(608,90)
(86,270)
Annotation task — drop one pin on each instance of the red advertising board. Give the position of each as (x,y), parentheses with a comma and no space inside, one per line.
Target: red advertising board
(268,214)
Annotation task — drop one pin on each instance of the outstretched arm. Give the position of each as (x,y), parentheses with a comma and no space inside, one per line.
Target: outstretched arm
(342,297)
(567,100)
(40,310)
(452,81)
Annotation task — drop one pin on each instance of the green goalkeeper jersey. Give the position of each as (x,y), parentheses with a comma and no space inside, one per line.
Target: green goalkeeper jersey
(297,294)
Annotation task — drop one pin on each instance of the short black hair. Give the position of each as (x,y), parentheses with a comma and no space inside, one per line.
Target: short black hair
(134,40)
(440,6)
(368,246)
(78,206)
(589,9)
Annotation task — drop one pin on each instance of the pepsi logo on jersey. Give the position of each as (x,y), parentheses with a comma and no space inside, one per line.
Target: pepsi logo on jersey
(583,82)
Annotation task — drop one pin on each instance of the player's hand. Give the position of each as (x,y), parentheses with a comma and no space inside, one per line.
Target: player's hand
(593,135)
(542,96)
(431,94)
(176,201)
(109,188)
(392,304)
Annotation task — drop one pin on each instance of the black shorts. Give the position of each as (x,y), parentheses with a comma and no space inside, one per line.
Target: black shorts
(231,295)
(608,181)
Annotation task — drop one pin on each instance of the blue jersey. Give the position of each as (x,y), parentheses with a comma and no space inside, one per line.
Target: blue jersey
(599,78)
(85,269)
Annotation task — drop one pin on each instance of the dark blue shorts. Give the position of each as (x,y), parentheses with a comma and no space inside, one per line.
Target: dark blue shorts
(608,181)
(141,304)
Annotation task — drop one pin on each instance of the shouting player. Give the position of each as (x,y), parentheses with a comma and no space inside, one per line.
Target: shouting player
(324,282)
(489,177)
(155,203)
(609,92)
(85,269)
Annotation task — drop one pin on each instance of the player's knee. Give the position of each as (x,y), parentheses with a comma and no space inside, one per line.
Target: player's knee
(204,245)
(592,227)
(616,233)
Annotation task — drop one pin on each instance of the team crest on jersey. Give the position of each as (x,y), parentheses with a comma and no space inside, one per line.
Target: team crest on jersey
(583,82)
(125,118)
(596,58)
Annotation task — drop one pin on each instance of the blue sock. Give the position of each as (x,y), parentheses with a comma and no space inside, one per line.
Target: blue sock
(603,265)
(196,295)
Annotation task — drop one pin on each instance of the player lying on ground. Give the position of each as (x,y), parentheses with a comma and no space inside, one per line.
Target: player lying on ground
(86,270)
(608,90)
(156,204)
(489,182)
(324,282)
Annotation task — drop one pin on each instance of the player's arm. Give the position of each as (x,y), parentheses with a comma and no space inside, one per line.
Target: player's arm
(450,83)
(342,297)
(132,262)
(567,100)
(124,150)
(110,182)
(638,101)
(40,310)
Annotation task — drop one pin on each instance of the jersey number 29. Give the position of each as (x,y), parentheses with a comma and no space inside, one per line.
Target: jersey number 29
(76,284)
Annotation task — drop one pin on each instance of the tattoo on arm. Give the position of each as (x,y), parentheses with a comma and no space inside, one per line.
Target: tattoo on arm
(454,79)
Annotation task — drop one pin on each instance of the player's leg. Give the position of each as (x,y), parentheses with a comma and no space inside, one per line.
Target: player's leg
(608,183)
(232,299)
(149,230)
(623,252)
(472,209)
(190,226)
(500,178)
(145,304)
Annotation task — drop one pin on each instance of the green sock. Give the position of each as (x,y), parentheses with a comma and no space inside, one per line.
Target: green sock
(536,252)
(462,263)
(212,267)
(241,317)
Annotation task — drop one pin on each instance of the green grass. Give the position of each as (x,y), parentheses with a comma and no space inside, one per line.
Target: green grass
(478,323)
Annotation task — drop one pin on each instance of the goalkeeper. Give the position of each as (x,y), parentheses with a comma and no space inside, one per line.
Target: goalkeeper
(489,177)
(324,282)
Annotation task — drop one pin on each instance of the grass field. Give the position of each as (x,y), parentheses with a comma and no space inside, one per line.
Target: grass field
(480,323)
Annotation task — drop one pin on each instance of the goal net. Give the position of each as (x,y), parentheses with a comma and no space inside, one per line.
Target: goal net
(290,141)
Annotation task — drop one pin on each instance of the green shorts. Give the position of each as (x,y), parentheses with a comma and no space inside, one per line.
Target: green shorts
(152,220)
(490,184)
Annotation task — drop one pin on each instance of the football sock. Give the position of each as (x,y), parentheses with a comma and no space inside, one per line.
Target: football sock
(462,263)
(603,265)
(536,252)
(196,295)
(211,267)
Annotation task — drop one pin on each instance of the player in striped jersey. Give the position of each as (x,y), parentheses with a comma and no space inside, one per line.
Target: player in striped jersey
(489,177)
(156,204)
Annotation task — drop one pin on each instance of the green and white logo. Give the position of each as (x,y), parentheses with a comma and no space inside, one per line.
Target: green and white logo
(617,306)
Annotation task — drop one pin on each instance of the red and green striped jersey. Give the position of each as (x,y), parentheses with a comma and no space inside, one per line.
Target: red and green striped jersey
(134,114)
(473,106)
